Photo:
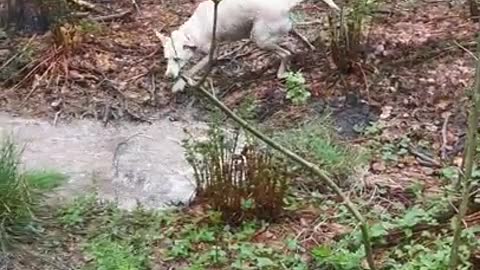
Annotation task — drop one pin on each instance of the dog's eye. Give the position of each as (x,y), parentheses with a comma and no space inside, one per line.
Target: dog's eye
(177,59)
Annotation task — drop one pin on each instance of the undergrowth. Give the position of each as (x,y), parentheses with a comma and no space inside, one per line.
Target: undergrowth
(144,239)
(21,194)
(318,142)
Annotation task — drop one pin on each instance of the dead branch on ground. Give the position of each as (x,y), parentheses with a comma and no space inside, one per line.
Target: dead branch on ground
(111,17)
(443,148)
(87,5)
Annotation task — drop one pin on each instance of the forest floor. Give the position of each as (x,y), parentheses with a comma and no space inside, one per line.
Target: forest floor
(406,101)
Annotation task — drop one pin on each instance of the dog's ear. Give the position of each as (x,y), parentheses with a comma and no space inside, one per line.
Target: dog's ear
(161,36)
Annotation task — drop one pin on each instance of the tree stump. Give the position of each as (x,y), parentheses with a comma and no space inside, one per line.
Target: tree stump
(30,16)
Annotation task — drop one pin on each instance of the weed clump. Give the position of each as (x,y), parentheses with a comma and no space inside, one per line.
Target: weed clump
(242,186)
(297,92)
(318,142)
(20,194)
(16,200)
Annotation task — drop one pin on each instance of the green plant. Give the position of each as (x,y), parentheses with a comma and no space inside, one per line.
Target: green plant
(297,92)
(76,213)
(374,129)
(21,193)
(432,252)
(391,152)
(115,255)
(242,186)
(16,201)
(346,33)
(338,258)
(317,141)
(90,27)
(247,108)
(44,179)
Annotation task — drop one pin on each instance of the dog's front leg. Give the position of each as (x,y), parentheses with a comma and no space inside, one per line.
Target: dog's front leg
(180,84)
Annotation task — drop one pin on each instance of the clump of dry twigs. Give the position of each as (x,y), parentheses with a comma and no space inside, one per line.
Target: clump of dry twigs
(242,186)
(49,65)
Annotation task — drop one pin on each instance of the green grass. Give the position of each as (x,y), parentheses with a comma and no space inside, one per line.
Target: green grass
(112,238)
(44,180)
(20,195)
(111,254)
(317,142)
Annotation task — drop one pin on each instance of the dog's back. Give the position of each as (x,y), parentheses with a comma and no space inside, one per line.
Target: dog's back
(235,18)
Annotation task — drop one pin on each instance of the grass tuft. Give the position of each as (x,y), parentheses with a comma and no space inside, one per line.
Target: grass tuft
(20,195)
(318,142)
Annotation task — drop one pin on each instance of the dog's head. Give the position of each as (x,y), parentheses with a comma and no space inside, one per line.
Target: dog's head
(177,49)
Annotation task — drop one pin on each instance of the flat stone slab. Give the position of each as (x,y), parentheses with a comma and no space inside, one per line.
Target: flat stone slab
(128,162)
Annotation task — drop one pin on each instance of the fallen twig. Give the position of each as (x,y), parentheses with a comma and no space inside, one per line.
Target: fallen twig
(87,5)
(303,39)
(57,116)
(15,56)
(136,6)
(111,17)
(227,55)
(115,160)
(465,50)
(35,86)
(443,148)
(423,158)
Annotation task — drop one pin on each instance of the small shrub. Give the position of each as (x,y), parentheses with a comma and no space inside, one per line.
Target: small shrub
(347,33)
(297,92)
(241,186)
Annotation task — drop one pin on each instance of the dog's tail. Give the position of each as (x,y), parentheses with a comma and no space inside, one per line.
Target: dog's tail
(330,3)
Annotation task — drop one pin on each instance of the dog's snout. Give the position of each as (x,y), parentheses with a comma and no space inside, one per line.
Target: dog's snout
(170,75)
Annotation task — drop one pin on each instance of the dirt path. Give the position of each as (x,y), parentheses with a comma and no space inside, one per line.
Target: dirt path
(129,162)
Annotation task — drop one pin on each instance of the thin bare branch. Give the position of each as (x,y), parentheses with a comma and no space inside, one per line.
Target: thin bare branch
(469,159)
(466,50)
(213,45)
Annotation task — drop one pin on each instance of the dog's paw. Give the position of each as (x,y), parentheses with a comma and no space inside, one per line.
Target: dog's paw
(179,86)
(282,75)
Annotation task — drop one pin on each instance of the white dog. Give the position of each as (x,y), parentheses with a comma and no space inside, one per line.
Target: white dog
(263,21)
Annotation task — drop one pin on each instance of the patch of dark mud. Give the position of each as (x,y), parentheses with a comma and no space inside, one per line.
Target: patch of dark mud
(272,102)
(352,116)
